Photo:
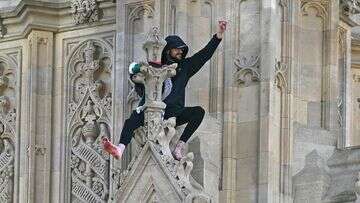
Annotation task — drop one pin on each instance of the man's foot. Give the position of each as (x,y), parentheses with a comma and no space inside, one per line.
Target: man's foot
(179,150)
(112,149)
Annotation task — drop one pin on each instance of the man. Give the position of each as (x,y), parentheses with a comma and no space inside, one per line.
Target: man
(174,52)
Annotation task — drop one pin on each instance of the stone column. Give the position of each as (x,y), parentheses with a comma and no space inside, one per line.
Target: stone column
(228,170)
(153,79)
(269,127)
(347,46)
(39,94)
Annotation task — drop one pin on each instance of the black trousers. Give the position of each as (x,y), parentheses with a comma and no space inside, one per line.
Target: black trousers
(193,116)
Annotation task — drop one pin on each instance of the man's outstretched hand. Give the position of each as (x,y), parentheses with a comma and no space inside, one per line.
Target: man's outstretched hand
(221,29)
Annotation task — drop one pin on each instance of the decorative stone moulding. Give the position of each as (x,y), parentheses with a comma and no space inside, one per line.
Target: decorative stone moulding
(89,119)
(154,139)
(280,74)
(84,11)
(247,70)
(8,132)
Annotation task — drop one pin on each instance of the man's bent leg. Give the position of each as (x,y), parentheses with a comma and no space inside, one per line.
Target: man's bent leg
(135,121)
(132,123)
(193,116)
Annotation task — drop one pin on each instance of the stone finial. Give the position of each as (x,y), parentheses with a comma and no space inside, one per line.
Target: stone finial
(153,44)
(153,79)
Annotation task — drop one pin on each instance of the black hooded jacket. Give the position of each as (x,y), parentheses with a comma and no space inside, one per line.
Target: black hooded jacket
(186,68)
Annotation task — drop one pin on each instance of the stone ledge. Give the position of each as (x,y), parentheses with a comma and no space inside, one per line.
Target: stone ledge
(54,17)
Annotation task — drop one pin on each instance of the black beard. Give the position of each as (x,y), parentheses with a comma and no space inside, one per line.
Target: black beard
(173,59)
(176,59)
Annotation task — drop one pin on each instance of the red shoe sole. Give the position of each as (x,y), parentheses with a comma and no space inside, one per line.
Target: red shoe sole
(110,148)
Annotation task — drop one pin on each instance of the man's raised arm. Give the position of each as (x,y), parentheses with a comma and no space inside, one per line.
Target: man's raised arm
(201,57)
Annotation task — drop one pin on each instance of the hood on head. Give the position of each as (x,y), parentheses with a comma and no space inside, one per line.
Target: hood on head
(173,41)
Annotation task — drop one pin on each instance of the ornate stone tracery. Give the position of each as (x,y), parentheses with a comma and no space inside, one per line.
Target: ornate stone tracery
(84,11)
(7,126)
(89,107)
(321,7)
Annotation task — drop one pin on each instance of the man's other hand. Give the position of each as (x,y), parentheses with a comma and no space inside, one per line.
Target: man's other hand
(221,29)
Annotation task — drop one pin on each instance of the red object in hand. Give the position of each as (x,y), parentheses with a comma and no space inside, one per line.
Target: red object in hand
(111,149)
(222,24)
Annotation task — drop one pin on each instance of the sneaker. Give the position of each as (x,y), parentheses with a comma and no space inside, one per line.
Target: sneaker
(112,149)
(179,150)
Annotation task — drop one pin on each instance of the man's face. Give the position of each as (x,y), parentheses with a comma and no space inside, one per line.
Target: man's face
(176,53)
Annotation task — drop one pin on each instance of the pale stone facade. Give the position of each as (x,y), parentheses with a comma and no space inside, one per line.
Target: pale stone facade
(281,94)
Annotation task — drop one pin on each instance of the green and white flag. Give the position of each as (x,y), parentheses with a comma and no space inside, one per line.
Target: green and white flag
(134,68)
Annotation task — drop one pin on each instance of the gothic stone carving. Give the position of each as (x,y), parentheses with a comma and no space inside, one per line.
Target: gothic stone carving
(153,103)
(84,11)
(321,6)
(247,70)
(89,111)
(349,7)
(177,174)
(8,68)
(153,44)
(280,75)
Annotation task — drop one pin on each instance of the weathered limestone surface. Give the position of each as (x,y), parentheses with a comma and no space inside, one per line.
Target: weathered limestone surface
(281,95)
